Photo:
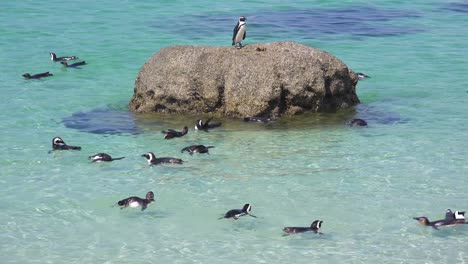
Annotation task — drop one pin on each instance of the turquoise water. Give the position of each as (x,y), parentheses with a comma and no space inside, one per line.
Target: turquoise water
(366,184)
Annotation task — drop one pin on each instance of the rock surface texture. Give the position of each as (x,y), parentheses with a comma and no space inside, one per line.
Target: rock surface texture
(268,80)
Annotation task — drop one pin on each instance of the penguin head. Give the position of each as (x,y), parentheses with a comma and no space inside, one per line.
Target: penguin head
(362,75)
(53,56)
(149,156)
(199,124)
(422,219)
(150,196)
(57,141)
(27,75)
(185,130)
(316,225)
(247,208)
(242,19)
(459,215)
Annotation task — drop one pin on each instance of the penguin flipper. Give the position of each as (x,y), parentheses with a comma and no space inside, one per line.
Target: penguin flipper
(245,34)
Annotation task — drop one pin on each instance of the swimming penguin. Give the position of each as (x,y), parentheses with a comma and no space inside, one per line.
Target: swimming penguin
(205,126)
(37,76)
(357,122)
(53,57)
(457,215)
(314,227)
(73,65)
(170,133)
(236,213)
(438,223)
(197,149)
(59,144)
(152,160)
(362,75)
(258,119)
(103,157)
(137,201)
(239,32)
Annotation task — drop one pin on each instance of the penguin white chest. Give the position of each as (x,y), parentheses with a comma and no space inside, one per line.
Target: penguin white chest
(240,34)
(134,204)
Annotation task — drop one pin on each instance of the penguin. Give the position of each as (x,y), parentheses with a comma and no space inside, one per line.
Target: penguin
(314,227)
(53,57)
(362,75)
(236,213)
(100,157)
(258,119)
(59,144)
(37,76)
(205,126)
(152,160)
(357,122)
(438,223)
(239,32)
(457,215)
(137,201)
(197,149)
(73,65)
(170,133)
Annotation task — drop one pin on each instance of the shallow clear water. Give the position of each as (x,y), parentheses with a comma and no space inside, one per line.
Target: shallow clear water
(366,184)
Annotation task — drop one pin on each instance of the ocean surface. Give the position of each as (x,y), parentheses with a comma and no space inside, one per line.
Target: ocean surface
(365,183)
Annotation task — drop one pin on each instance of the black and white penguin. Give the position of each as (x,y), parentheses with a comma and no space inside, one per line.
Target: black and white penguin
(254,119)
(197,149)
(439,223)
(357,122)
(170,133)
(239,32)
(54,57)
(236,213)
(457,215)
(152,160)
(205,126)
(59,144)
(73,65)
(37,76)
(137,201)
(314,227)
(100,157)
(362,75)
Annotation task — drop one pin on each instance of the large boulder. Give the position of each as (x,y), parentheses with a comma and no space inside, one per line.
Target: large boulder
(268,80)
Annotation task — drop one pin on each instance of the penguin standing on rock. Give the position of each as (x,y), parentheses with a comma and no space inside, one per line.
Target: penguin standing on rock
(239,32)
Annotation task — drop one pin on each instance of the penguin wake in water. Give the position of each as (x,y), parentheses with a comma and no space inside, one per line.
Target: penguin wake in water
(239,32)
(137,201)
(100,157)
(200,125)
(53,57)
(314,227)
(197,149)
(236,213)
(152,160)
(170,133)
(37,76)
(59,144)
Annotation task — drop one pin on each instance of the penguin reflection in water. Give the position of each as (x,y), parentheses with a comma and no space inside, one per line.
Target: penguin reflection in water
(314,227)
(236,213)
(137,201)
